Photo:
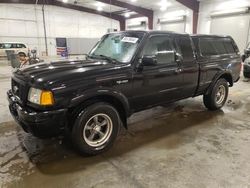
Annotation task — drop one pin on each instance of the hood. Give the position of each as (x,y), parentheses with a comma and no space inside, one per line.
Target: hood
(62,71)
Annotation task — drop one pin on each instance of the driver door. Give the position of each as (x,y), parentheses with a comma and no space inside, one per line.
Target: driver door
(159,83)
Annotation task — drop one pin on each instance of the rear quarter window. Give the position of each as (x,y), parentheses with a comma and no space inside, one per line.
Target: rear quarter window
(185,47)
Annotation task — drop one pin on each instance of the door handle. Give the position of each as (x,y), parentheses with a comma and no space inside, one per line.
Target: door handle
(178,71)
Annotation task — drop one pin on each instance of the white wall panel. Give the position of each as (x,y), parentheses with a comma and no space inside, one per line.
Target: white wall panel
(235,26)
(178,27)
(16,28)
(172,13)
(24,23)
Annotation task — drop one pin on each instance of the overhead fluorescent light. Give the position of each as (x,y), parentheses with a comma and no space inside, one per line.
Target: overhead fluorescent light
(173,19)
(65,1)
(229,12)
(137,24)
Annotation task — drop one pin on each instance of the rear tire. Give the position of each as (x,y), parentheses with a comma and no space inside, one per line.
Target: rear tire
(217,97)
(96,129)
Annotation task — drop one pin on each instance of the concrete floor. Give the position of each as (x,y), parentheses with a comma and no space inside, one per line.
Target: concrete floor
(181,145)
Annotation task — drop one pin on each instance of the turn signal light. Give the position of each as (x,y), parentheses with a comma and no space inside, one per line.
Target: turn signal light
(47,98)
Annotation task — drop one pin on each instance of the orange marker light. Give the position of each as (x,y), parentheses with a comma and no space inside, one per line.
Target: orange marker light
(47,98)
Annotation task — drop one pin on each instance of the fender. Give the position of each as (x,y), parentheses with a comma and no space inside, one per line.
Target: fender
(224,74)
(98,92)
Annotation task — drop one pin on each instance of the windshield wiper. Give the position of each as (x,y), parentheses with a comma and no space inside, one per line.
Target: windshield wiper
(109,59)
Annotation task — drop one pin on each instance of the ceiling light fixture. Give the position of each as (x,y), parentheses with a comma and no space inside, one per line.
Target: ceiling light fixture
(163,8)
(133,1)
(127,15)
(164,4)
(65,1)
(99,8)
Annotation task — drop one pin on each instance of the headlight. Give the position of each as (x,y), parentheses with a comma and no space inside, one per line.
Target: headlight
(40,97)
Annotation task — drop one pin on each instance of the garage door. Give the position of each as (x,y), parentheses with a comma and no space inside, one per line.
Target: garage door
(174,26)
(235,26)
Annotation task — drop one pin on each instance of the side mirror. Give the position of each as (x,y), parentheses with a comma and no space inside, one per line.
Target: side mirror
(148,61)
(178,58)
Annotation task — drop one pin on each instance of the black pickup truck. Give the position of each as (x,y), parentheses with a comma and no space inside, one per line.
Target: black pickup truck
(124,73)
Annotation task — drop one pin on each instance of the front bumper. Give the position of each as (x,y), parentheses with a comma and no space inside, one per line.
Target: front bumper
(40,124)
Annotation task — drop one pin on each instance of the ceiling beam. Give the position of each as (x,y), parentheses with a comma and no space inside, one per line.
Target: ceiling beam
(119,18)
(140,10)
(194,6)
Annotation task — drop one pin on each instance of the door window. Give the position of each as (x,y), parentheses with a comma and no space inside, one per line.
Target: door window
(161,47)
(6,46)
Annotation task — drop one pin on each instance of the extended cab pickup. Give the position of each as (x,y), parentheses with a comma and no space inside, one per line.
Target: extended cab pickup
(124,73)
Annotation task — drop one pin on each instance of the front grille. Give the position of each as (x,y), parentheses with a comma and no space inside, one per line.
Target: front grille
(19,90)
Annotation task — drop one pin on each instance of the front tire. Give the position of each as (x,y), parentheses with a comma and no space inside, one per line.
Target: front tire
(217,97)
(96,129)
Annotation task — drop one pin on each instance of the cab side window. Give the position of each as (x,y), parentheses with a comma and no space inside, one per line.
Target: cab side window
(229,46)
(185,48)
(161,47)
(207,48)
(220,48)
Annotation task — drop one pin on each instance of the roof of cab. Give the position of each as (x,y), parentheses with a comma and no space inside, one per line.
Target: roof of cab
(206,35)
(152,32)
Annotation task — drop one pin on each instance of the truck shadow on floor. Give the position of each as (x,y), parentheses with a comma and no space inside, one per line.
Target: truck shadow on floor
(163,127)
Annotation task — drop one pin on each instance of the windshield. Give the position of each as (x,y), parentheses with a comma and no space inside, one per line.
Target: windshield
(118,46)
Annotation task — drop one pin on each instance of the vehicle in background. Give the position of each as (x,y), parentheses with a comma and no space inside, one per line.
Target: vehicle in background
(18,48)
(246,68)
(246,53)
(124,73)
(246,61)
